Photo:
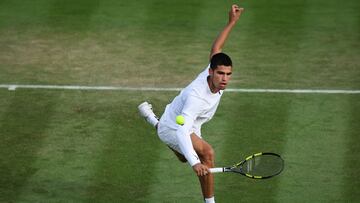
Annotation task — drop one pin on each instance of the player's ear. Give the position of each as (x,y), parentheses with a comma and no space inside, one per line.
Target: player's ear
(211,71)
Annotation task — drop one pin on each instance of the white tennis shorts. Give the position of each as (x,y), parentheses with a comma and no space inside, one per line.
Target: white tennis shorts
(168,136)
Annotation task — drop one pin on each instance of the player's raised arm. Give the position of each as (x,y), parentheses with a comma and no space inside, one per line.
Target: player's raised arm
(234,15)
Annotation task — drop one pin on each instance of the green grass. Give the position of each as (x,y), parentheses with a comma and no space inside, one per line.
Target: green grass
(91,146)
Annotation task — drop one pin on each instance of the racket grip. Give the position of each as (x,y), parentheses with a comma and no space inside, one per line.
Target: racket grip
(216,170)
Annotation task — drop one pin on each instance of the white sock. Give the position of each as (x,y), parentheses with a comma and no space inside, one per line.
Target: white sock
(210,200)
(153,120)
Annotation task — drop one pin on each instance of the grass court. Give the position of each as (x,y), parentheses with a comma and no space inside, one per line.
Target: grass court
(92,146)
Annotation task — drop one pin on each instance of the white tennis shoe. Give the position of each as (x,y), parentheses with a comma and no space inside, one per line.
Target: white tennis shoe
(146,111)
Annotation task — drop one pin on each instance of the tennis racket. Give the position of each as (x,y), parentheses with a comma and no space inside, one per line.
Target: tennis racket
(257,166)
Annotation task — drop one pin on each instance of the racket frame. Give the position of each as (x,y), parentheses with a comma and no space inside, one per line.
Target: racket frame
(237,168)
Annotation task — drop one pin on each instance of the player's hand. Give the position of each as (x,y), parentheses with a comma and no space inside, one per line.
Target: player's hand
(235,13)
(200,169)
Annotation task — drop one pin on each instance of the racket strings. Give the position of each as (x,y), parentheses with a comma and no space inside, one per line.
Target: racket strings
(264,165)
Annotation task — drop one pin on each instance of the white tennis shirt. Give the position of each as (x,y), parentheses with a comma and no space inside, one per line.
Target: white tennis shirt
(198,105)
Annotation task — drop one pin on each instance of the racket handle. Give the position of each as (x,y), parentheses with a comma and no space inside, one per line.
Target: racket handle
(216,170)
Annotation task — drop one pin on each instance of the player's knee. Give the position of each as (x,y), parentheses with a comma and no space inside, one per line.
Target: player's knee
(208,156)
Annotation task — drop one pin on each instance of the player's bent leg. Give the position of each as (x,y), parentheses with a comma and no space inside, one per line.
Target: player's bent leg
(204,150)
(207,157)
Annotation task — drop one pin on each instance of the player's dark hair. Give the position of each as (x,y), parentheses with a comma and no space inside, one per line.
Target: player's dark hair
(220,59)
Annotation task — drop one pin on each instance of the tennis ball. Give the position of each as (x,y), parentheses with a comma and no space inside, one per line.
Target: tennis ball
(180,120)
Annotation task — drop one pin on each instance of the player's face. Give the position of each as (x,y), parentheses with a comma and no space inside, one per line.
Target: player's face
(219,78)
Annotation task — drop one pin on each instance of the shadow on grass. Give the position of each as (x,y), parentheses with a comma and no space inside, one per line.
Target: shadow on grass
(22,130)
(131,150)
(352,163)
(72,14)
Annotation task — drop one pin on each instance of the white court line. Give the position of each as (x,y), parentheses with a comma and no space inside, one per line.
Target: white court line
(75,87)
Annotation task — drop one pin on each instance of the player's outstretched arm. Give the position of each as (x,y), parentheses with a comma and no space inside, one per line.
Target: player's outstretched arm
(234,15)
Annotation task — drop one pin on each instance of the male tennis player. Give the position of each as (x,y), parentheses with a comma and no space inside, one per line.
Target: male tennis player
(197,103)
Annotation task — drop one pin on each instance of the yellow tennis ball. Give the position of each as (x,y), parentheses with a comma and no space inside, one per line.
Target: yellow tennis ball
(180,120)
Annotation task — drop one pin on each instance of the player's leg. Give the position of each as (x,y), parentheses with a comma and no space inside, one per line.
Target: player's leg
(207,157)
(202,148)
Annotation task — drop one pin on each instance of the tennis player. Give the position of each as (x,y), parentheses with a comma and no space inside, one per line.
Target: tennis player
(197,103)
